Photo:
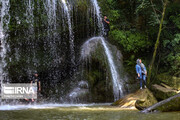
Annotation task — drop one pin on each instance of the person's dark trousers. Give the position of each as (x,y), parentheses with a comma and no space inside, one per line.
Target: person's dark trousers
(143,80)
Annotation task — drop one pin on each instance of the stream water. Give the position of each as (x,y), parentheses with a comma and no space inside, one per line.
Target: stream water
(79,112)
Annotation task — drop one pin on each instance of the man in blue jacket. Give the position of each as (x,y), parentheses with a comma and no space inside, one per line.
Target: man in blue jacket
(141,72)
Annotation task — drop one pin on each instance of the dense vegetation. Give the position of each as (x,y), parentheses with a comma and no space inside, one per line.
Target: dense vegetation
(134,29)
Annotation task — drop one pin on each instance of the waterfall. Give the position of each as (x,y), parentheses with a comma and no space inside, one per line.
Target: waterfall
(3,29)
(117,80)
(42,38)
(99,17)
(71,36)
(51,7)
(29,13)
(117,85)
(30,20)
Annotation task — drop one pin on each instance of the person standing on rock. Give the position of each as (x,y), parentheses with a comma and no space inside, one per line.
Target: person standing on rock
(141,72)
(144,73)
(106,26)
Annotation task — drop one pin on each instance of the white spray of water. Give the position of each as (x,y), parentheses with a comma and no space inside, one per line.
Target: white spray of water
(50,6)
(116,80)
(117,85)
(71,36)
(4,46)
(5,18)
(99,17)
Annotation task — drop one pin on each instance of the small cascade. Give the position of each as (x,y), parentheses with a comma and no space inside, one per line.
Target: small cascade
(71,35)
(30,21)
(98,16)
(29,13)
(5,18)
(80,93)
(50,10)
(117,80)
(117,85)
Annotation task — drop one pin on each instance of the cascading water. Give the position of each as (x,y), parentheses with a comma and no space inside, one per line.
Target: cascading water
(117,85)
(45,37)
(117,80)
(71,35)
(29,20)
(98,16)
(5,18)
(51,8)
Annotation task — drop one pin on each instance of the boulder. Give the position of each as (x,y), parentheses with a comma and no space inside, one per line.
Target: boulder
(167,105)
(140,99)
(163,91)
(171,81)
(96,69)
(173,105)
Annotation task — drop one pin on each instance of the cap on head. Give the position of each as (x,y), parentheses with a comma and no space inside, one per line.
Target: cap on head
(137,61)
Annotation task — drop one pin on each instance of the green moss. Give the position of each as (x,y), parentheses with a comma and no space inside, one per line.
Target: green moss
(169,80)
(173,105)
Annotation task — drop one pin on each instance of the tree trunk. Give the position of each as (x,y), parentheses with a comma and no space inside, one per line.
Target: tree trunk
(157,43)
(153,107)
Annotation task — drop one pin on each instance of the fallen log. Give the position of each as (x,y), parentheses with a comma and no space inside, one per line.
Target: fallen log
(157,105)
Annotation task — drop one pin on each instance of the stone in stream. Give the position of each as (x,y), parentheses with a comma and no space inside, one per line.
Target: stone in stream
(140,99)
(163,91)
(167,105)
(172,81)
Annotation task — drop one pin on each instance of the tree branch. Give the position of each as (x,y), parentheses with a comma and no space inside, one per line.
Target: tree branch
(154,11)
(157,42)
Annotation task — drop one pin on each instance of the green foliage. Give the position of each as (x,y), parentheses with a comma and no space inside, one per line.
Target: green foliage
(134,28)
(131,42)
(172,58)
(176,20)
(143,4)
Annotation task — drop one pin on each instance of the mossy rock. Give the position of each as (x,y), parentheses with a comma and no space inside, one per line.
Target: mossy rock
(172,81)
(97,69)
(161,92)
(173,105)
(140,99)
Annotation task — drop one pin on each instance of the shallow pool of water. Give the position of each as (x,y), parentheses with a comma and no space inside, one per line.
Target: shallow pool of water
(78,112)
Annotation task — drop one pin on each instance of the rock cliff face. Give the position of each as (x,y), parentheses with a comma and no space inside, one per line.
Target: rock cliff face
(95,70)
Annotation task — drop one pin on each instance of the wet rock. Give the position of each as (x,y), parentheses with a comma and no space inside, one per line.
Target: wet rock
(172,105)
(171,81)
(163,91)
(98,72)
(167,105)
(83,84)
(140,99)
